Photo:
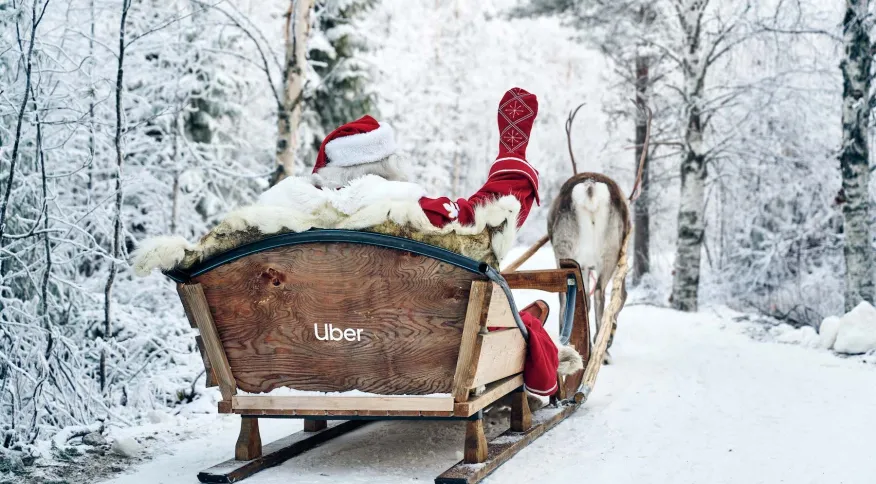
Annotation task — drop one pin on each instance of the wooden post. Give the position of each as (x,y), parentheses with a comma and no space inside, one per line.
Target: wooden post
(198,312)
(470,347)
(521,417)
(249,442)
(315,425)
(561,389)
(475,441)
(211,376)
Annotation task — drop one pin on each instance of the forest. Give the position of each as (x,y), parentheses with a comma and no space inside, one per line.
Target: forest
(125,119)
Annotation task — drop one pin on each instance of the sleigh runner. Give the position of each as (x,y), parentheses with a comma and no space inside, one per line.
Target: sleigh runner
(400,323)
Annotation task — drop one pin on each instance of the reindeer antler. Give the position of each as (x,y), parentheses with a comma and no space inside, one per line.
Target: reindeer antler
(638,184)
(569,121)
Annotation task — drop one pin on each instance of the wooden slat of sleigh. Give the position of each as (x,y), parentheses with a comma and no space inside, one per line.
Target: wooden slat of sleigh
(370,403)
(503,353)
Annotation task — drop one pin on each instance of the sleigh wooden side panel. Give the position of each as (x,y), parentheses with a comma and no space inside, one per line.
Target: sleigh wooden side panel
(339,317)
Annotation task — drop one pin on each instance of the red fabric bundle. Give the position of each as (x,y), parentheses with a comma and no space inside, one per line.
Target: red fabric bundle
(542,360)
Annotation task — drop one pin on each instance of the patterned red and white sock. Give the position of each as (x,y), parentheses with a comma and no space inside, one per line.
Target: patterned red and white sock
(517,112)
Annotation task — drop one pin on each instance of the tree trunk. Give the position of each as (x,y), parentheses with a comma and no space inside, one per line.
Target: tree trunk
(685,284)
(10,178)
(691,210)
(289,113)
(117,222)
(641,215)
(91,125)
(854,157)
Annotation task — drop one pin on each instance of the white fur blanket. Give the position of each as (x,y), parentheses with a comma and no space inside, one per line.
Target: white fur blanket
(296,205)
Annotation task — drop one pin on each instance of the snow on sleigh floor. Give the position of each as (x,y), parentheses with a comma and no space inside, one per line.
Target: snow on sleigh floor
(689,399)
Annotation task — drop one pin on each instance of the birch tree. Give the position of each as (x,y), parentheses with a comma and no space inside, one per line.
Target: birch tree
(295,34)
(855,152)
(705,36)
(641,213)
(691,211)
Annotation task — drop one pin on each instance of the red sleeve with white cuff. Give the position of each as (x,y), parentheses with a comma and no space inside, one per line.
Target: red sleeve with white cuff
(511,174)
(508,176)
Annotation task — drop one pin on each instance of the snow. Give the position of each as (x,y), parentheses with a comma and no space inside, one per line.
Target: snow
(785,333)
(291,392)
(857,330)
(690,398)
(827,332)
(126,447)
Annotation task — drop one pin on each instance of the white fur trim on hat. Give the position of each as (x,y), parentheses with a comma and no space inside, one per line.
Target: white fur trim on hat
(358,149)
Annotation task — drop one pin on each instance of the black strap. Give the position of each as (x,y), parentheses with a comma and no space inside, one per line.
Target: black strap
(327,235)
(569,311)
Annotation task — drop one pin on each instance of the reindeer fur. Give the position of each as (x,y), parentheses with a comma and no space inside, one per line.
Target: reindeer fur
(588,222)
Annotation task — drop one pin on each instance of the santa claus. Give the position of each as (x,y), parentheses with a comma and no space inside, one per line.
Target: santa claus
(366,150)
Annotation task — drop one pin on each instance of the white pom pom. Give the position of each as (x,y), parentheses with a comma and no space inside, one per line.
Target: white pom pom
(570,360)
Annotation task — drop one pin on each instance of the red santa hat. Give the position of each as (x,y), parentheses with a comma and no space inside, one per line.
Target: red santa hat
(356,143)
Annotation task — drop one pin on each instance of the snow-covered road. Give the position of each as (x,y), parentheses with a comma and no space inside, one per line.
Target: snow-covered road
(689,399)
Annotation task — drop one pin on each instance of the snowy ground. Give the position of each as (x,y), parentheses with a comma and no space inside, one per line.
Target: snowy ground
(690,398)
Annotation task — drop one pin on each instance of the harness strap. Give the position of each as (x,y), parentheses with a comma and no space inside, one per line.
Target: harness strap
(569,311)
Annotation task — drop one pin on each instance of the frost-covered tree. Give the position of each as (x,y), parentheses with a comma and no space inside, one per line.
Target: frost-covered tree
(293,79)
(338,89)
(856,66)
(321,79)
(110,148)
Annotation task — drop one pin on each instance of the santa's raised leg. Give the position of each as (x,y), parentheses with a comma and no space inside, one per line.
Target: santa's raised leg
(367,147)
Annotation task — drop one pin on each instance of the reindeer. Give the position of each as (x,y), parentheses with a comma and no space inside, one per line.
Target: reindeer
(589,220)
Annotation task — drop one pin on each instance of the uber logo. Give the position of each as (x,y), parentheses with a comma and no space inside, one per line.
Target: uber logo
(331,333)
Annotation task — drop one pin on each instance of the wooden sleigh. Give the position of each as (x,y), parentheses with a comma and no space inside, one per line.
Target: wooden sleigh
(402,322)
